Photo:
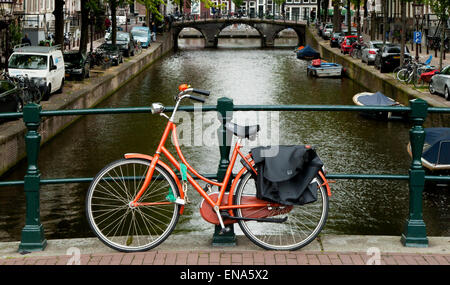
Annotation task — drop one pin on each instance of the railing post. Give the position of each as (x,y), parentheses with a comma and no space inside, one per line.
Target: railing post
(414,234)
(33,233)
(225,114)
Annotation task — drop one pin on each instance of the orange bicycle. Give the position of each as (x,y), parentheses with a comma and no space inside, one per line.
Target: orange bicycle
(133,204)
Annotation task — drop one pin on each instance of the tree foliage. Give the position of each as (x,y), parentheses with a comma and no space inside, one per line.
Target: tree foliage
(442,9)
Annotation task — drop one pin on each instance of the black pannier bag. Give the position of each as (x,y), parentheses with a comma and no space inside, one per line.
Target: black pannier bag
(285,173)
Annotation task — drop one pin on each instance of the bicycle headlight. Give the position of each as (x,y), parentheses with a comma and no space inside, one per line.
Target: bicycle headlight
(157,108)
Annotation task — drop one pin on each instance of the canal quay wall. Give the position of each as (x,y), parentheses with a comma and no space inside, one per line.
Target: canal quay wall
(90,93)
(369,76)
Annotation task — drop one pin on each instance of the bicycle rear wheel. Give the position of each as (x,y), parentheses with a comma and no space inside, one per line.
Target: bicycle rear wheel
(303,224)
(122,226)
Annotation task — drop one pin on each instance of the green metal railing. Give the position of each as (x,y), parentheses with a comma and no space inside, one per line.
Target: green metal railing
(414,233)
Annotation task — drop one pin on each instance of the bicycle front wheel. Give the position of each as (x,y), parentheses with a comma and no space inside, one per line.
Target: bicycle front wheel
(132,228)
(403,75)
(303,224)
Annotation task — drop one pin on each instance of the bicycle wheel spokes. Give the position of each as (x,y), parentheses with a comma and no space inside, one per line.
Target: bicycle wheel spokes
(125,227)
(303,223)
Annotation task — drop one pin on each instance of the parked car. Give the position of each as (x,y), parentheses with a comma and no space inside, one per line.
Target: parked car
(344,34)
(334,39)
(108,32)
(143,35)
(346,44)
(327,31)
(369,52)
(113,52)
(388,57)
(440,83)
(44,65)
(77,65)
(126,43)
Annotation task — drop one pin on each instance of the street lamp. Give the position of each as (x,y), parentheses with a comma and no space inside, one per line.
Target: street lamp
(418,13)
(6,13)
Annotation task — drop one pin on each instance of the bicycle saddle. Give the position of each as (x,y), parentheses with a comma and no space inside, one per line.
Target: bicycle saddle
(242,131)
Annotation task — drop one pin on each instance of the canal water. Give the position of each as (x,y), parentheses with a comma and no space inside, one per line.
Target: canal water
(345,141)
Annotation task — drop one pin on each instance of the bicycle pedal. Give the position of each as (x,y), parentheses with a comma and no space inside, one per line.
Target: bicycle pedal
(224,230)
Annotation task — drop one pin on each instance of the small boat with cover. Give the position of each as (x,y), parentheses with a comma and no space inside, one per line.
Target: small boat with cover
(436,150)
(380,100)
(319,68)
(307,52)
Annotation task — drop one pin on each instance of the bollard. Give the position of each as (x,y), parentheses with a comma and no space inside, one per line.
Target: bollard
(33,233)
(225,114)
(414,234)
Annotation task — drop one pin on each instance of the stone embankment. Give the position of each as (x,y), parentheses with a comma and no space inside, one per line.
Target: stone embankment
(369,76)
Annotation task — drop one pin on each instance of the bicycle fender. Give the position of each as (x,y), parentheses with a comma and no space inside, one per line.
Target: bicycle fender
(163,165)
(325,182)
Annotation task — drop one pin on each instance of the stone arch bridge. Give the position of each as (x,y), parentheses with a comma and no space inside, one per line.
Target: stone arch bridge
(268,29)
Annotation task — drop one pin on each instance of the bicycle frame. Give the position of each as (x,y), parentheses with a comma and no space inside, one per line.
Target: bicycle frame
(217,205)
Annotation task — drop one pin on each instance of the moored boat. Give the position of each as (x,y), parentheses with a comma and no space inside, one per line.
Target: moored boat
(319,68)
(436,149)
(380,100)
(307,52)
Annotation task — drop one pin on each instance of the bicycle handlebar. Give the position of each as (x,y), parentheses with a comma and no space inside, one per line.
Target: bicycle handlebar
(201,92)
(195,98)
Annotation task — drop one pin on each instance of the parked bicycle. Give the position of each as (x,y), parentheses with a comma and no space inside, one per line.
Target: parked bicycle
(138,48)
(411,72)
(30,92)
(356,50)
(134,204)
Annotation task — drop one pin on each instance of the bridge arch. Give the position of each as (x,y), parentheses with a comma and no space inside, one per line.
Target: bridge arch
(298,34)
(245,30)
(188,33)
(210,29)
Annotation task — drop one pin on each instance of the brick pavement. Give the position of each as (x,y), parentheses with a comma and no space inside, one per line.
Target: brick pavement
(235,258)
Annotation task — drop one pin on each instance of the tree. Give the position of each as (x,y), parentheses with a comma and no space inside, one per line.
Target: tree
(442,9)
(59,22)
(279,3)
(336,15)
(349,18)
(238,3)
(403,31)
(357,5)
(84,25)
(384,9)
(152,11)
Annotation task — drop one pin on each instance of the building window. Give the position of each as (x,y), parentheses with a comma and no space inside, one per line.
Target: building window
(288,1)
(305,1)
(313,1)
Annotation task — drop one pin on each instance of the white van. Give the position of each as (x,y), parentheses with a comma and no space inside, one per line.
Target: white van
(44,65)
